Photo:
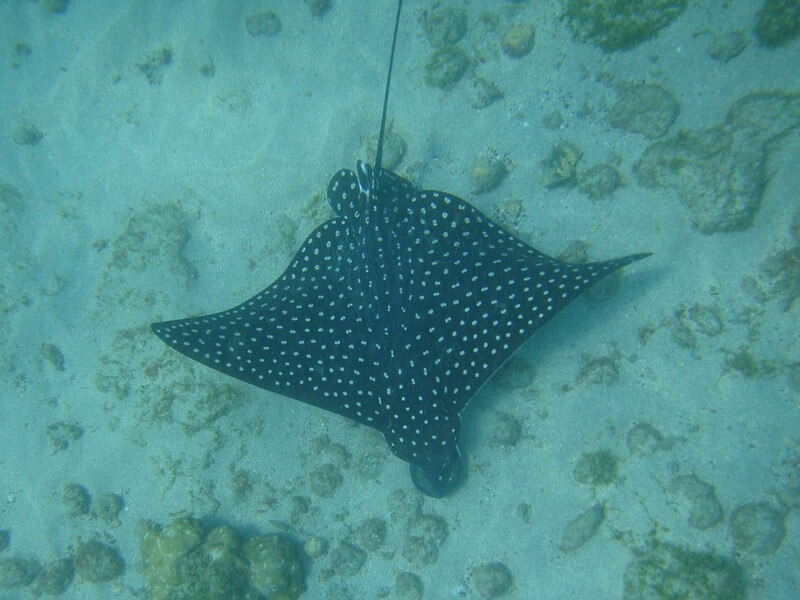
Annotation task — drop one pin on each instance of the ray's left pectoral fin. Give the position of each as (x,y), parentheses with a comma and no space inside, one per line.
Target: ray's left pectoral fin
(281,338)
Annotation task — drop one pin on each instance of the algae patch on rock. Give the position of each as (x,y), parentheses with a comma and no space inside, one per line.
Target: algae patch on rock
(318,7)
(265,24)
(618,25)
(705,510)
(276,566)
(727,46)
(560,167)
(783,269)
(645,108)
(600,370)
(582,528)
(757,528)
(444,25)
(643,439)
(596,468)
(154,66)
(720,173)
(150,249)
(491,580)
(107,507)
(446,66)
(663,571)
(55,578)
(519,39)
(505,430)
(346,560)
(777,22)
(599,182)
(408,586)
(18,572)
(325,480)
(61,434)
(487,173)
(54,6)
(51,579)
(425,534)
(371,533)
(97,562)
(188,560)
(27,134)
(76,500)
(172,391)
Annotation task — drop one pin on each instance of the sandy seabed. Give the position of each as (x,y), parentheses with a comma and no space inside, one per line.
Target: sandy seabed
(158,160)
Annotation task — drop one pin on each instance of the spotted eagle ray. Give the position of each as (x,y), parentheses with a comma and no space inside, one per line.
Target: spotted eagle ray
(393,313)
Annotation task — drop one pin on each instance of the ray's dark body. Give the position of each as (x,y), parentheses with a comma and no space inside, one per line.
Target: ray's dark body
(394,313)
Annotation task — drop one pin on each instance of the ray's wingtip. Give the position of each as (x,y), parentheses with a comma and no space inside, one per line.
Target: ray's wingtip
(632,258)
(620,263)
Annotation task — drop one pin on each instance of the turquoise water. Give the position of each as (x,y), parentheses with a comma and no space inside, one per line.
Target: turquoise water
(159,161)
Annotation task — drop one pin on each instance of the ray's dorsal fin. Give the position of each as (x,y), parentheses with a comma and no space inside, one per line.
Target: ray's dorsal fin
(376,172)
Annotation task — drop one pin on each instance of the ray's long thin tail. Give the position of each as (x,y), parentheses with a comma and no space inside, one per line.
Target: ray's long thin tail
(376,172)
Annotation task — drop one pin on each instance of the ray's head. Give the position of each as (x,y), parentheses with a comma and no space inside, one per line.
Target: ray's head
(441,478)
